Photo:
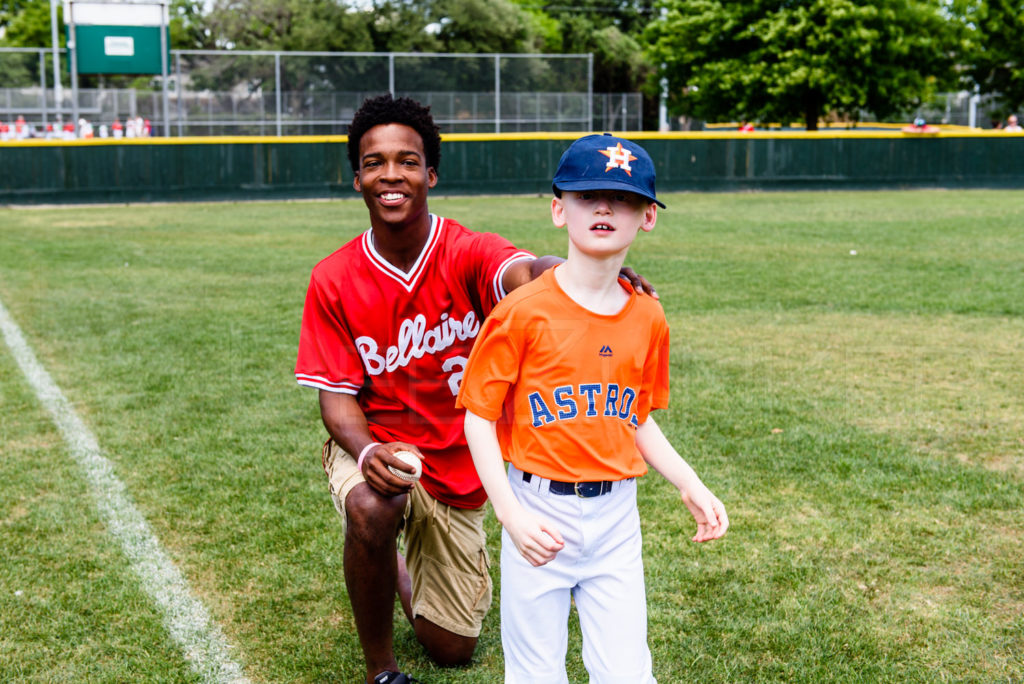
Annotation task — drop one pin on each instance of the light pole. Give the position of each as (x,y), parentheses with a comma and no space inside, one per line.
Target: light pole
(58,95)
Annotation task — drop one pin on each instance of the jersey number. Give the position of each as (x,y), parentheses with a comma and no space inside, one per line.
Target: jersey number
(457,364)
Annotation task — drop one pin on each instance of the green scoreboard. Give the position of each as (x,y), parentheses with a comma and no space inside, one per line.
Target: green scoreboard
(119,49)
(118,37)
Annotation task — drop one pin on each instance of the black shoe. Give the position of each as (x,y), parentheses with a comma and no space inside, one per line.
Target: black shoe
(388,677)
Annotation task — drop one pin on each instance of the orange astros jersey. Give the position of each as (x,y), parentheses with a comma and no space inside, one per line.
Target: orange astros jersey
(568,387)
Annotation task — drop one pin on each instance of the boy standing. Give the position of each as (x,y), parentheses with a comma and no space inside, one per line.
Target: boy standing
(561,381)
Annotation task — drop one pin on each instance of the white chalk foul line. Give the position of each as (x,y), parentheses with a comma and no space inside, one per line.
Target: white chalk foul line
(184,616)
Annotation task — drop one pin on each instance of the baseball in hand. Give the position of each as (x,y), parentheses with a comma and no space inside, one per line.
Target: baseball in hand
(413,460)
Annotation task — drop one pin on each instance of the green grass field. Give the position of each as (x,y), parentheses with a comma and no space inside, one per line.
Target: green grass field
(860,414)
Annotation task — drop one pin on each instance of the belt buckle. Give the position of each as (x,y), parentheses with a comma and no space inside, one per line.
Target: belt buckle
(586,490)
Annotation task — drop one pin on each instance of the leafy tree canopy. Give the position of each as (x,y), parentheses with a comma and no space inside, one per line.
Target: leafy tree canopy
(309,25)
(26,23)
(611,30)
(766,60)
(994,59)
(483,26)
(188,28)
(779,60)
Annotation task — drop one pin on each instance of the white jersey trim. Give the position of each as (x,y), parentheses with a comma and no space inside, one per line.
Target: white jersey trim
(318,382)
(406,279)
(499,290)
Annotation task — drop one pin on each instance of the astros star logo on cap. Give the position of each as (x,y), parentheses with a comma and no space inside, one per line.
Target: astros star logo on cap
(582,167)
(618,157)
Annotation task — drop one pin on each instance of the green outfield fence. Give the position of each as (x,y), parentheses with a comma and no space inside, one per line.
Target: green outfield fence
(239,168)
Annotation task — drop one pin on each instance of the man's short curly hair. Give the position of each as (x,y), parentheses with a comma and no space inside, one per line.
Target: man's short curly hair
(377,111)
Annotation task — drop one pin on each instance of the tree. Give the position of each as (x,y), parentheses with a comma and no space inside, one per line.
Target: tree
(612,31)
(310,25)
(26,23)
(780,60)
(995,59)
(398,26)
(188,26)
(482,26)
(279,25)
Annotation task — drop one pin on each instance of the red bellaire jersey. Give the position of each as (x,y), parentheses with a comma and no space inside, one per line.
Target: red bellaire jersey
(399,342)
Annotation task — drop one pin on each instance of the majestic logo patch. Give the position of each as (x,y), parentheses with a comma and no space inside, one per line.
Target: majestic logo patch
(605,351)
(618,158)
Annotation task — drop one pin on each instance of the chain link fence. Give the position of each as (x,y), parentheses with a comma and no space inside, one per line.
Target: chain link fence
(212,93)
(963,109)
(218,92)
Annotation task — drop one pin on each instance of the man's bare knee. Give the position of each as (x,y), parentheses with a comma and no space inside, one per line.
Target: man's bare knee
(370,516)
(445,648)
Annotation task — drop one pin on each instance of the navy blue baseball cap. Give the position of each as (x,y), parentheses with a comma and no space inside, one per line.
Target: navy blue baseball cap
(604,162)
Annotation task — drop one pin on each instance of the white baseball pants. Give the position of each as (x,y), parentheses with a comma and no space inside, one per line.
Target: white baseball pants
(600,567)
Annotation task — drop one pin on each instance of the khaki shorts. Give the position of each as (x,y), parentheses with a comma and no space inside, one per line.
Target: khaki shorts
(445,550)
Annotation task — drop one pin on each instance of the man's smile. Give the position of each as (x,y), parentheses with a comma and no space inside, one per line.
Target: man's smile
(391,197)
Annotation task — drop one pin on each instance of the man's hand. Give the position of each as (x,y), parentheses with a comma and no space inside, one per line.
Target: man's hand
(346,423)
(523,271)
(639,283)
(375,468)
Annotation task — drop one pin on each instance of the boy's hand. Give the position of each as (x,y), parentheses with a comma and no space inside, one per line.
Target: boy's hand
(708,511)
(536,539)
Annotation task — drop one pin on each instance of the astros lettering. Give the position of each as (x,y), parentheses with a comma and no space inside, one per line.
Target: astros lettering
(586,399)
(415,340)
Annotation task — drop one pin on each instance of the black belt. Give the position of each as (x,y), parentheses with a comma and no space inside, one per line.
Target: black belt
(581,489)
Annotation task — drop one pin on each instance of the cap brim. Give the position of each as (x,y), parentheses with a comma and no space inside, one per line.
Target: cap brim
(580,186)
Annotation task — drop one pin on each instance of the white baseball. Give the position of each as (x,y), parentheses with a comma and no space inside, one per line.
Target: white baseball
(413,460)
